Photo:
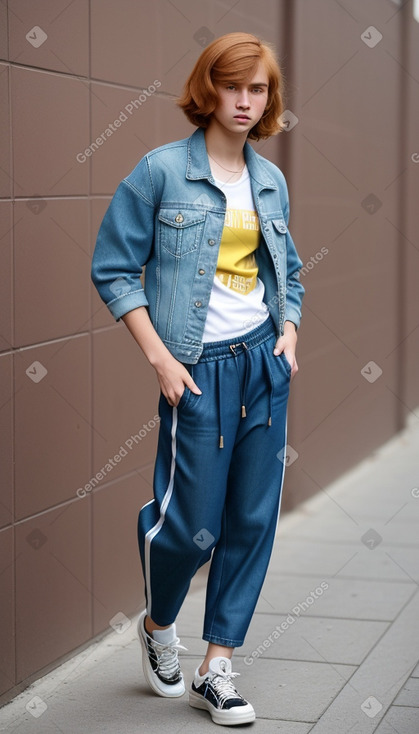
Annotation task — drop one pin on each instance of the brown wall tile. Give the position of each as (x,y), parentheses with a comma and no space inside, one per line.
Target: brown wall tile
(7,613)
(117,576)
(140,126)
(5,150)
(125,405)
(52,423)
(126,53)
(410,375)
(50,126)
(53,585)
(50,35)
(6,274)
(6,439)
(4,41)
(409,239)
(52,269)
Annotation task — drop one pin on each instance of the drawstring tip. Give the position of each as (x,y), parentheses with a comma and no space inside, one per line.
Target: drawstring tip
(221,444)
(243,411)
(270,421)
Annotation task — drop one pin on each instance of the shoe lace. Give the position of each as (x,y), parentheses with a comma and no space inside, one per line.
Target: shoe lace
(167,656)
(224,687)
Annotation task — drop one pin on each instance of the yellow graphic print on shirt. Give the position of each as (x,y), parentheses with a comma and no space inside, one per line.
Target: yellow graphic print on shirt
(236,266)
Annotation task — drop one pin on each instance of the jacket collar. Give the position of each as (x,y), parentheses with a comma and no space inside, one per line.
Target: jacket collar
(198,164)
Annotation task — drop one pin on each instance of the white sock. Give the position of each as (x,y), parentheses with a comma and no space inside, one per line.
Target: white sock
(199,678)
(165,637)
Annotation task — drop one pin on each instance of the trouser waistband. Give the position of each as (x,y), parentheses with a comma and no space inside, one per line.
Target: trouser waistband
(219,351)
(234,346)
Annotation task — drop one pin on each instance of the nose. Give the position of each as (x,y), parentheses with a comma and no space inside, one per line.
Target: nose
(243,99)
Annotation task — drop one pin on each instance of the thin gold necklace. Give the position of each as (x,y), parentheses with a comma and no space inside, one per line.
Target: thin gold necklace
(227,169)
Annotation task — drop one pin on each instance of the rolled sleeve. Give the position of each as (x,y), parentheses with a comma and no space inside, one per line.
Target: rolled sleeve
(127,302)
(123,246)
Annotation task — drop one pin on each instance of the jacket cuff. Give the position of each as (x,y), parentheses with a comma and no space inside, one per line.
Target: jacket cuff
(292,314)
(127,302)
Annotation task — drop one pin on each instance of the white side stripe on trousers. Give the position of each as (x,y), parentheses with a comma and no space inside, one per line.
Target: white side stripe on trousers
(164,505)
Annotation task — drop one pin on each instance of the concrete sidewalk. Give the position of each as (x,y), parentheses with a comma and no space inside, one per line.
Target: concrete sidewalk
(333,646)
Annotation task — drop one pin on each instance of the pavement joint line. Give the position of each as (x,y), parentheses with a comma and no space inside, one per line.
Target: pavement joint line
(372,579)
(311,540)
(331,618)
(377,674)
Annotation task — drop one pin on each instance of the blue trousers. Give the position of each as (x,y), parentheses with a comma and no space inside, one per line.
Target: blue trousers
(218,484)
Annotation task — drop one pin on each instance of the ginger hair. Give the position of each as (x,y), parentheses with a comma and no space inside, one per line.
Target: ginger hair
(233,58)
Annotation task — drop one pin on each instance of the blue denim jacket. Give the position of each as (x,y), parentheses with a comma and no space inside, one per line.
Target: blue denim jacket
(168,215)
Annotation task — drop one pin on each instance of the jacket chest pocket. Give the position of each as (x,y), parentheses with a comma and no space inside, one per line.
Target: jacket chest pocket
(180,230)
(279,230)
(276,232)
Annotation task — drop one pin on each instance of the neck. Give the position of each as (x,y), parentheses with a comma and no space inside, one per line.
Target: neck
(225,147)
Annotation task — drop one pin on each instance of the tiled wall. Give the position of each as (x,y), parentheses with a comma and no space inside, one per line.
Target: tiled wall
(77,398)
(354,176)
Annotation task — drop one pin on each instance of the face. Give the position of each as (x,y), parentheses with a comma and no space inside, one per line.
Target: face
(241,105)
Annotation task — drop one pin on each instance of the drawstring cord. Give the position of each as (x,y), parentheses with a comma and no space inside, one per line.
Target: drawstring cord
(245,380)
(220,412)
(271,382)
(243,386)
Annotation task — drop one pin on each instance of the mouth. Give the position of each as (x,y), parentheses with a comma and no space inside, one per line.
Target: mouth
(245,118)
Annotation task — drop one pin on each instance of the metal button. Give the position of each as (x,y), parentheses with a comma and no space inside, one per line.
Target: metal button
(179,218)
(198,304)
(211,242)
(201,271)
(282,228)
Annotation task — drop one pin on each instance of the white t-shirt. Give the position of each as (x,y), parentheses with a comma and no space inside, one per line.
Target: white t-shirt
(236,303)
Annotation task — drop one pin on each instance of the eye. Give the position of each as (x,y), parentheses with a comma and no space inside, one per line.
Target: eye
(231,86)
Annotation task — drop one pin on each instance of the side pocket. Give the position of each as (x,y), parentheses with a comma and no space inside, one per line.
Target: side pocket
(284,367)
(184,398)
(286,363)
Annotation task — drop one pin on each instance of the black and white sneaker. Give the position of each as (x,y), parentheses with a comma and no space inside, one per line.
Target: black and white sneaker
(160,659)
(216,693)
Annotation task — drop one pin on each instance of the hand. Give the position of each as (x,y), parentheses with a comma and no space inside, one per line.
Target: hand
(287,343)
(173,376)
